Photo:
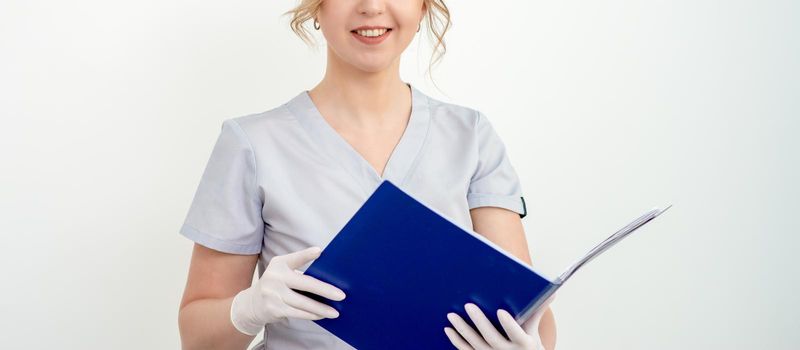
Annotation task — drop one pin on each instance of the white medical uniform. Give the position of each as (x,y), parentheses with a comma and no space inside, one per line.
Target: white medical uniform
(283,180)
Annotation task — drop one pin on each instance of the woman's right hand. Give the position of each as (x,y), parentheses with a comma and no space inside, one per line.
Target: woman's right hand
(271,298)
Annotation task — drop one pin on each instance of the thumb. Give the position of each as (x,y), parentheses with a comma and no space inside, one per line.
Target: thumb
(532,324)
(299,258)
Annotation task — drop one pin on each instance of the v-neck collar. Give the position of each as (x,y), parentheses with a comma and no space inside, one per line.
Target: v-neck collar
(331,142)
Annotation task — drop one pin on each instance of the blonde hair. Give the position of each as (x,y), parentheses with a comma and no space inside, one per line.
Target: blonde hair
(438,22)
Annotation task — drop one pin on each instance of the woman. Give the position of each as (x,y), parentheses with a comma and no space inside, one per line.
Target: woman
(279,184)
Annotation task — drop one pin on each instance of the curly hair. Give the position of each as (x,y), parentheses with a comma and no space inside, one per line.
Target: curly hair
(437,18)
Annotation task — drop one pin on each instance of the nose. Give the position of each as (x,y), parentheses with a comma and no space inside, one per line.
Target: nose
(371,7)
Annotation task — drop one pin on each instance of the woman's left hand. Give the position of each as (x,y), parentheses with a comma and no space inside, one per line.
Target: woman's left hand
(524,337)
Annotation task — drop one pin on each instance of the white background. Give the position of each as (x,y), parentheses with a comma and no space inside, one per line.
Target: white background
(608,108)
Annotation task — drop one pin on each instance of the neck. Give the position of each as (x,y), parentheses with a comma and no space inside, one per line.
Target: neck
(362,98)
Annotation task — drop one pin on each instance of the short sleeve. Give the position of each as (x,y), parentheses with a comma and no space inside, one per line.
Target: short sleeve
(495,182)
(225,213)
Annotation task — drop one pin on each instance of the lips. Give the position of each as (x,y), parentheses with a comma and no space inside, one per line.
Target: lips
(370,27)
(371,40)
(356,30)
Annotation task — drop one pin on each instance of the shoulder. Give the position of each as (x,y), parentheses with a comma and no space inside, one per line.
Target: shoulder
(467,121)
(454,114)
(258,120)
(259,124)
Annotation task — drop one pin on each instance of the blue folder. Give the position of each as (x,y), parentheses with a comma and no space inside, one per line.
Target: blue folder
(404,267)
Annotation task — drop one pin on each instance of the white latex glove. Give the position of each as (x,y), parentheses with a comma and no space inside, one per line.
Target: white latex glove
(522,337)
(271,298)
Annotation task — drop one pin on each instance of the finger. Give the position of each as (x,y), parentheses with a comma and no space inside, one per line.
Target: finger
(515,332)
(310,284)
(292,312)
(542,309)
(487,329)
(305,303)
(532,324)
(466,331)
(456,339)
(299,258)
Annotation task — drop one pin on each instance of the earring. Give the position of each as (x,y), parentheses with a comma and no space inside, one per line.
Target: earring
(316,24)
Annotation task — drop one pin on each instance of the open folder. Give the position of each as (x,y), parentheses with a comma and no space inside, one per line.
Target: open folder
(404,266)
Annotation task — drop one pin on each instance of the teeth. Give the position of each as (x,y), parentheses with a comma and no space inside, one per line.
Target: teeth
(371,32)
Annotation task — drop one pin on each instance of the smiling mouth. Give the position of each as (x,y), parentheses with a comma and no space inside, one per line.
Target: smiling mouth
(377,36)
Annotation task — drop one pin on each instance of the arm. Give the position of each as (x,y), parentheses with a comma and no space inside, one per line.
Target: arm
(204,316)
(504,228)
